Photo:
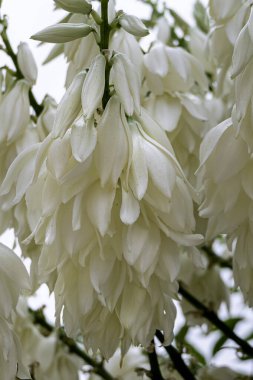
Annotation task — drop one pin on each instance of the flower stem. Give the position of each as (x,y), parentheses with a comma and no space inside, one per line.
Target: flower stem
(104,46)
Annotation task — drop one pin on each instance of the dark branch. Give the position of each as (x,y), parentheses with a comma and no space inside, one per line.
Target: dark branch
(104,46)
(154,365)
(223,263)
(212,317)
(177,359)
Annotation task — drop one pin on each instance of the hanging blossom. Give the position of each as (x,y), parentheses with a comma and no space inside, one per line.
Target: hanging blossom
(171,74)
(13,280)
(225,170)
(108,205)
(227,19)
(17,130)
(226,165)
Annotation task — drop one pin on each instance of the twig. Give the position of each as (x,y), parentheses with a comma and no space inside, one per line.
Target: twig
(177,359)
(223,263)
(212,317)
(153,361)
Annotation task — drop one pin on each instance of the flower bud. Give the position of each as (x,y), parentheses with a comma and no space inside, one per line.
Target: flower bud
(75,6)
(63,32)
(27,63)
(93,87)
(133,25)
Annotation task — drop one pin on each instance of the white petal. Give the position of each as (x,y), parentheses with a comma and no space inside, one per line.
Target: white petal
(93,87)
(69,107)
(83,139)
(99,207)
(112,146)
(130,208)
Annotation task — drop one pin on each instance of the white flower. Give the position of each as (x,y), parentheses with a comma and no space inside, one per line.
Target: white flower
(83,139)
(133,25)
(14,278)
(93,86)
(11,354)
(46,119)
(75,6)
(163,32)
(172,69)
(27,63)
(126,82)
(165,109)
(14,112)
(125,43)
(63,32)
(69,107)
(112,148)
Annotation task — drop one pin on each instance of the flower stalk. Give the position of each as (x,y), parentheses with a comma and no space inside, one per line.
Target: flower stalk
(104,46)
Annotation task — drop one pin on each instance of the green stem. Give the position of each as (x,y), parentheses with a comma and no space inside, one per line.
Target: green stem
(104,46)
(38,108)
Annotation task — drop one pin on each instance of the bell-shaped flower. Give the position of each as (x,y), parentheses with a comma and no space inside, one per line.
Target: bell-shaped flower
(11,363)
(69,107)
(46,119)
(125,43)
(83,139)
(163,32)
(63,32)
(165,109)
(177,69)
(93,86)
(112,147)
(126,82)
(15,112)
(27,63)
(19,177)
(14,279)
